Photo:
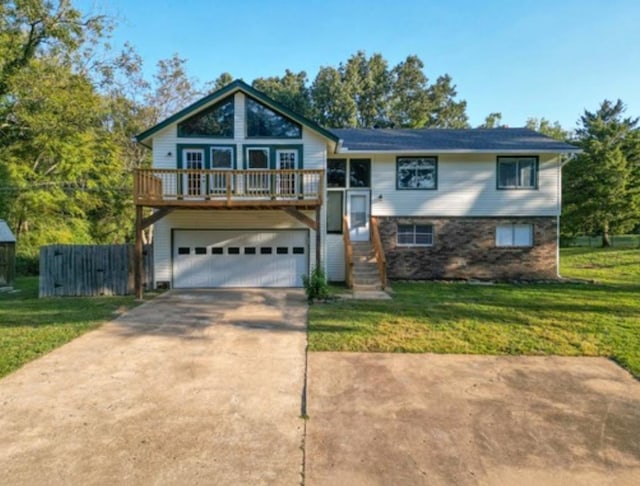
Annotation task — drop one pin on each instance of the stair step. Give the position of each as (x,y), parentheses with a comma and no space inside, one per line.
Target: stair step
(367,287)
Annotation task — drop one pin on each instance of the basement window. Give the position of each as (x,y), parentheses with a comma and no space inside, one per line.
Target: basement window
(415,235)
(514,235)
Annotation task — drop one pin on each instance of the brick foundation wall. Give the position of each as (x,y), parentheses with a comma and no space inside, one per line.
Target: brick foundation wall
(465,248)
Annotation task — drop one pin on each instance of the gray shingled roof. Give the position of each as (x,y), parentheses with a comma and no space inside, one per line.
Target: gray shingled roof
(6,236)
(450,140)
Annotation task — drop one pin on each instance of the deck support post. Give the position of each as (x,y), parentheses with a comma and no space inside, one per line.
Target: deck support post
(137,271)
(318,239)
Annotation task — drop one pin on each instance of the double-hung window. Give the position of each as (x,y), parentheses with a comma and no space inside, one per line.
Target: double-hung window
(415,235)
(257,160)
(517,172)
(514,235)
(221,160)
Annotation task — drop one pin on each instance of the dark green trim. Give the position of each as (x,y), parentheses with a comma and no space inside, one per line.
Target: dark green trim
(206,147)
(237,85)
(272,153)
(245,154)
(207,153)
(298,146)
(435,159)
(233,147)
(518,188)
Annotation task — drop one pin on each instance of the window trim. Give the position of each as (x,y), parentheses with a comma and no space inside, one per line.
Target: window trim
(408,157)
(414,244)
(536,170)
(206,147)
(513,239)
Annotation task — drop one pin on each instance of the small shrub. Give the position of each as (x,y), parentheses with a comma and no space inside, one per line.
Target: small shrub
(27,265)
(315,285)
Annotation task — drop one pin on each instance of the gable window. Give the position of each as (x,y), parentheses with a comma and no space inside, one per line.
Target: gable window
(415,235)
(417,173)
(517,172)
(336,173)
(215,121)
(514,235)
(335,211)
(266,123)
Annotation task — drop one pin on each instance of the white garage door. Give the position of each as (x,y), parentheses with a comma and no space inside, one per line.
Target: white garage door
(208,258)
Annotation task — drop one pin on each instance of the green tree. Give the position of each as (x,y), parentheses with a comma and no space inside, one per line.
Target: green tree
(410,105)
(544,126)
(492,120)
(601,187)
(332,105)
(172,88)
(368,82)
(290,90)
(445,112)
(219,83)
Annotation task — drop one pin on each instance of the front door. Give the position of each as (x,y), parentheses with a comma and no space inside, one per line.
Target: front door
(287,160)
(193,183)
(358,211)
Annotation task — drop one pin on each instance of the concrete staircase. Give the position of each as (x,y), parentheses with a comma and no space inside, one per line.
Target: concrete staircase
(365,267)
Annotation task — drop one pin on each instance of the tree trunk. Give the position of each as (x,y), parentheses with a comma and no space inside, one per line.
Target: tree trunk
(606,239)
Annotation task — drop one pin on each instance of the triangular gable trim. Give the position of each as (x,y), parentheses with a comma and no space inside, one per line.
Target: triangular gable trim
(237,85)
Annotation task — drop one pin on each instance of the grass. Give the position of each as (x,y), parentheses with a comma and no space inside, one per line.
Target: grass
(31,327)
(576,319)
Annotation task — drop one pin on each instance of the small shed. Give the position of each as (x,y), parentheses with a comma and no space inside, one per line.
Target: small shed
(7,255)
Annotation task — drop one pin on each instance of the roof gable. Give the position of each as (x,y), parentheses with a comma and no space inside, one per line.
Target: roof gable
(232,88)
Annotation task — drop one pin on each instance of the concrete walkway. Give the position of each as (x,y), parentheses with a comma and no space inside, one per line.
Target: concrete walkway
(381,419)
(199,387)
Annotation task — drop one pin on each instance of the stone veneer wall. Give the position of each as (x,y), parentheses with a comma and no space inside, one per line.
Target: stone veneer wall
(465,248)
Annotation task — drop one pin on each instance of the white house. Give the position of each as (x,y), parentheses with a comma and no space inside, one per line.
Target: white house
(247,193)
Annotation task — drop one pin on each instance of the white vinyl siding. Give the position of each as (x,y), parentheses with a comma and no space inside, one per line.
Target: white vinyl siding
(335,258)
(466,187)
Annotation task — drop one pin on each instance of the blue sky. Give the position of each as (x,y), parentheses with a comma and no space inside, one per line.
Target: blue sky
(524,58)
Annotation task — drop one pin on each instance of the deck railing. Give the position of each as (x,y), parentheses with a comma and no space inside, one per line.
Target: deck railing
(183,186)
(348,253)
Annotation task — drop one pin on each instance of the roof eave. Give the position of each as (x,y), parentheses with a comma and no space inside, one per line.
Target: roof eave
(343,150)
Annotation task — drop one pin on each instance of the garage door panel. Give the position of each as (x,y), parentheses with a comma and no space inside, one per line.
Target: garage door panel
(239,258)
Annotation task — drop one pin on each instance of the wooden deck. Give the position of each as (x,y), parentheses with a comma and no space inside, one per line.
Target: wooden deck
(228,189)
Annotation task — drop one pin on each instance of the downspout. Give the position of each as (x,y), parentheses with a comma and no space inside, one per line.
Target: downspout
(564,162)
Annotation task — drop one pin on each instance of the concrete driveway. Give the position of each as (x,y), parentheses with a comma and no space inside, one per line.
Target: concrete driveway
(197,387)
(381,419)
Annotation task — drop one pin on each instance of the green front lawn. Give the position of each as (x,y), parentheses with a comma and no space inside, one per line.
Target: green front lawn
(31,327)
(576,319)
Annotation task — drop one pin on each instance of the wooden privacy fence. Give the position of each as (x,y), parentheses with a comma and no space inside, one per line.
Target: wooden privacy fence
(90,270)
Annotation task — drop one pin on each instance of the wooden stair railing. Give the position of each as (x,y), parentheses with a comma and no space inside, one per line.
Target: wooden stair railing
(379,252)
(348,253)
